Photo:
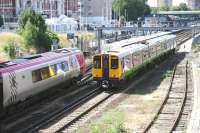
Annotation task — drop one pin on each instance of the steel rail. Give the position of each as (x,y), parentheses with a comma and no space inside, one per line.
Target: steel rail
(163,103)
(67,109)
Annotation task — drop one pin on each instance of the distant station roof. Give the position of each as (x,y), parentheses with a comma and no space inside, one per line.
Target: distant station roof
(179,12)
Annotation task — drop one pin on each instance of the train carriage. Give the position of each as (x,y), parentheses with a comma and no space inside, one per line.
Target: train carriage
(109,67)
(25,77)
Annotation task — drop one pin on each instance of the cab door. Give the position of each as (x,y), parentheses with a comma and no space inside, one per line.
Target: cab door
(105,59)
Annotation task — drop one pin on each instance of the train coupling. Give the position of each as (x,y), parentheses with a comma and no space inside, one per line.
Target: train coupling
(105,84)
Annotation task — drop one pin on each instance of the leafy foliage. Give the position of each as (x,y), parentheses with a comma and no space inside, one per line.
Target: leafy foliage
(133,8)
(198,8)
(34,30)
(198,47)
(168,73)
(109,122)
(10,49)
(1,21)
(164,8)
(180,7)
(149,64)
(154,10)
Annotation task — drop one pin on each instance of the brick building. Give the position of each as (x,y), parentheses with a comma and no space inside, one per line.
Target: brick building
(87,11)
(8,9)
(71,8)
(50,8)
(96,11)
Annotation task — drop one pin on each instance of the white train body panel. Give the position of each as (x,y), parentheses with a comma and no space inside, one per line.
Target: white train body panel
(19,85)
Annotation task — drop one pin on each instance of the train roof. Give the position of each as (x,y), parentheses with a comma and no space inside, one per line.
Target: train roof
(130,41)
(160,39)
(127,50)
(32,60)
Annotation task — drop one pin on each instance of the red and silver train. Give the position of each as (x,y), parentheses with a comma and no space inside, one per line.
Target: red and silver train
(25,77)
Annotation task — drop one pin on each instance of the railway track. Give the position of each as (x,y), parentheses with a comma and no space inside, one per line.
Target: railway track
(79,87)
(34,121)
(183,36)
(71,122)
(169,114)
(181,125)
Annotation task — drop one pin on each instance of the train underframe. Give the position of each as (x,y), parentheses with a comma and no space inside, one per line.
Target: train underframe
(110,84)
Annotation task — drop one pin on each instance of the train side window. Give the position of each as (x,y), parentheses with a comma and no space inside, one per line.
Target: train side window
(54,68)
(36,76)
(65,66)
(114,62)
(97,62)
(45,74)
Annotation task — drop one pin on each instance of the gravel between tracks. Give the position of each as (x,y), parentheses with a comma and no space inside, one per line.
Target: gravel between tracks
(140,102)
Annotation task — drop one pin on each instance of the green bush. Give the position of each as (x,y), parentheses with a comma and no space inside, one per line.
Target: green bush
(34,30)
(10,49)
(168,73)
(149,64)
(198,46)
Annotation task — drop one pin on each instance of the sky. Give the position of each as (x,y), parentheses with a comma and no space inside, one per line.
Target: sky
(175,2)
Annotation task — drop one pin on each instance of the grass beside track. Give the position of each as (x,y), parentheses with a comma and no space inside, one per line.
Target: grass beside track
(109,122)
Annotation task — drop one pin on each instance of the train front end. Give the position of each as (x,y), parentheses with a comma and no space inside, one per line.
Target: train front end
(107,69)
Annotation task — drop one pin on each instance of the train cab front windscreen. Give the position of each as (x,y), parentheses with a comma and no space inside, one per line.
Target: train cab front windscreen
(97,67)
(114,62)
(115,68)
(1,93)
(97,62)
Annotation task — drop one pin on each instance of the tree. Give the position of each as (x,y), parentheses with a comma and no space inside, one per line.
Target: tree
(118,5)
(198,8)
(33,28)
(10,49)
(30,33)
(154,10)
(164,8)
(131,8)
(181,7)
(1,21)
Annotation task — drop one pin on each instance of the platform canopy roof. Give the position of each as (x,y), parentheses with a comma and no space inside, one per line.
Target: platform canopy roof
(179,12)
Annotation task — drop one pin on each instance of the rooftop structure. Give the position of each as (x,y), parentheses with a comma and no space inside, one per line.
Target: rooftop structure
(179,12)
(96,11)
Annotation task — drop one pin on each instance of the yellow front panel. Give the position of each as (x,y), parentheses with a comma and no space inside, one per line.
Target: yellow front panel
(97,73)
(114,73)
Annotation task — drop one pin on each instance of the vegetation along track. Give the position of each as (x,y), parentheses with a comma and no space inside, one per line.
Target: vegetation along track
(168,115)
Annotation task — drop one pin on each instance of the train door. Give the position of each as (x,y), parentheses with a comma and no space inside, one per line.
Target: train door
(105,59)
(1,93)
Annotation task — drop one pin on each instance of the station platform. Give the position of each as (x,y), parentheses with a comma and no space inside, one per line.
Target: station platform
(194,124)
